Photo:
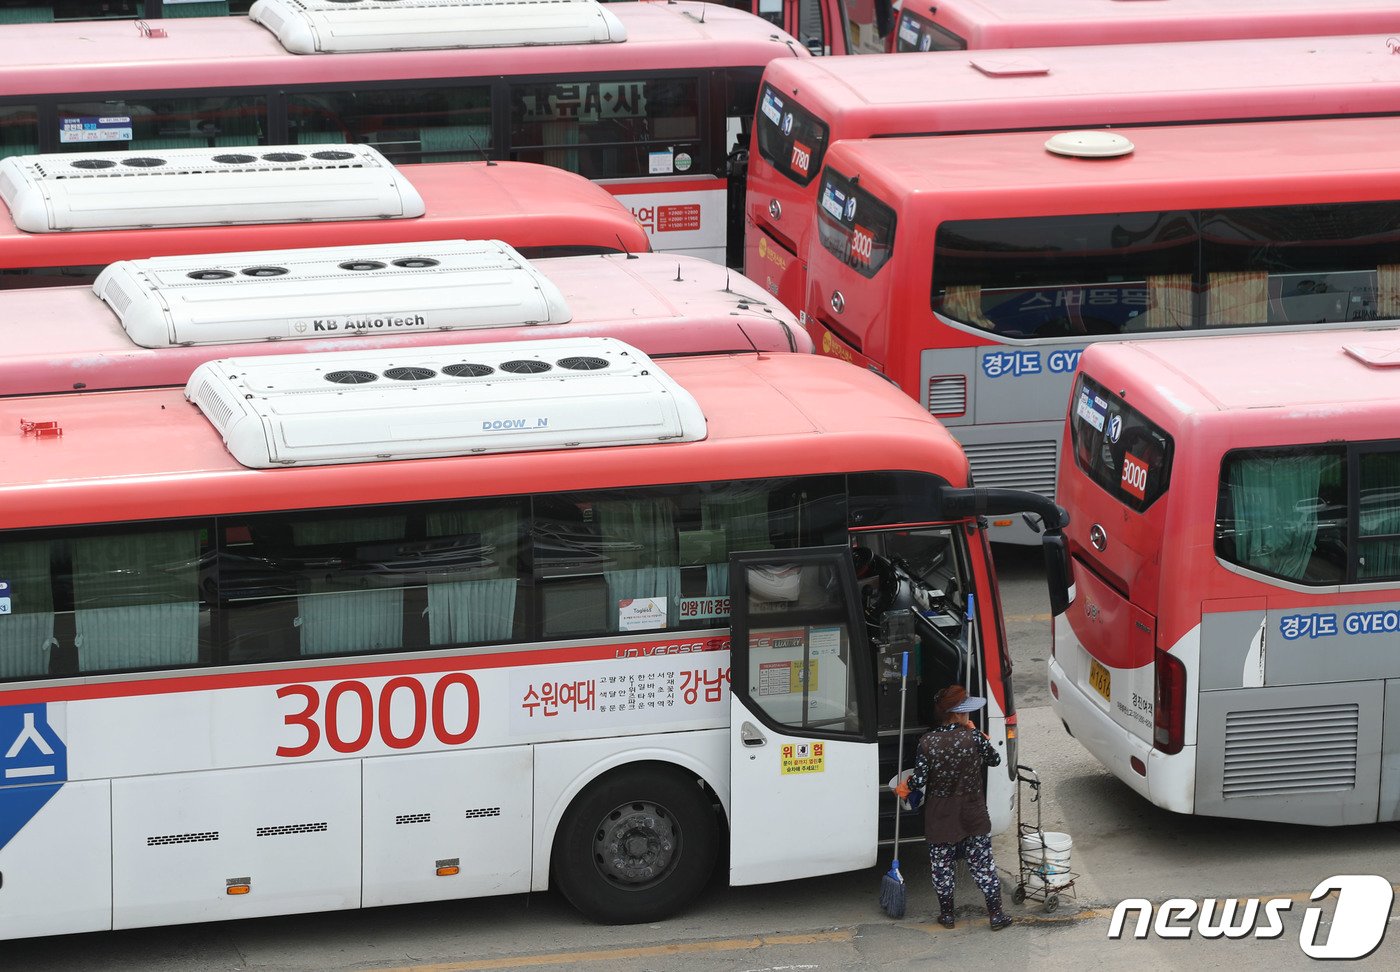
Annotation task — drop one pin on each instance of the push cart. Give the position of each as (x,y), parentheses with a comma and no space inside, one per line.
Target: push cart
(1041,876)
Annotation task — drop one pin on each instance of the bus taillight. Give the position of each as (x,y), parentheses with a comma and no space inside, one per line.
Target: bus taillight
(1169,707)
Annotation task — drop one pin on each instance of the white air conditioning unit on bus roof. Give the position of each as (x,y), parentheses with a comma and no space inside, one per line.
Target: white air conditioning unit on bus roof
(328,292)
(203,187)
(341,26)
(415,403)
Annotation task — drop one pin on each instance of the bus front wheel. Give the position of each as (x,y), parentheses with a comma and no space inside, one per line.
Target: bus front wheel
(637,845)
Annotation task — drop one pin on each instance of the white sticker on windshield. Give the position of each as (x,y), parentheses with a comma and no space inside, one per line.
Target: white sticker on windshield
(1092,409)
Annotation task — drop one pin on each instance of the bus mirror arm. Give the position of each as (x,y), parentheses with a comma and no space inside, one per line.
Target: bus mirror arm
(976,501)
(980,501)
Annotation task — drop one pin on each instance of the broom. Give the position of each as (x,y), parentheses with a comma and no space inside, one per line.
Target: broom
(892,884)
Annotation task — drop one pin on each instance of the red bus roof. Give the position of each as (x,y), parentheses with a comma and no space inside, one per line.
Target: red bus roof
(214,52)
(150,454)
(1036,23)
(526,205)
(1324,160)
(662,304)
(881,94)
(1317,385)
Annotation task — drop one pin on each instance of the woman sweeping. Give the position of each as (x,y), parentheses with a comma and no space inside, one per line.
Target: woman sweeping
(948,767)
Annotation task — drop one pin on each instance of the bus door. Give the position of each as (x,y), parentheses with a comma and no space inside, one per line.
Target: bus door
(802,741)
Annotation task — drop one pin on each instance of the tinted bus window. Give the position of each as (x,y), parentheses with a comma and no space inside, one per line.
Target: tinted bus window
(1052,276)
(917,35)
(792,139)
(853,225)
(613,128)
(1114,273)
(1116,447)
(162,123)
(407,125)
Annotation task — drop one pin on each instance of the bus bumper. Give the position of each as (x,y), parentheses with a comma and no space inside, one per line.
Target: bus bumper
(1170,781)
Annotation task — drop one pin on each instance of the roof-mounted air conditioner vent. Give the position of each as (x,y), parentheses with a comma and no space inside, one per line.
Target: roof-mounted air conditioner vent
(339,26)
(328,292)
(363,406)
(203,187)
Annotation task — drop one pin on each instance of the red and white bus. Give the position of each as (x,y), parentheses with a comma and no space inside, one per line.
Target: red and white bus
(66,217)
(973,270)
(650,99)
(1235,528)
(822,26)
(146,323)
(439,635)
(806,106)
(957,25)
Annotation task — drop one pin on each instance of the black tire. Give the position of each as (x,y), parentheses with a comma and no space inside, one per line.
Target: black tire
(1051,903)
(636,845)
(1018,896)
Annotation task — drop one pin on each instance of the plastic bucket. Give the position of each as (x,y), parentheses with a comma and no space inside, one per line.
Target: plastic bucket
(1045,857)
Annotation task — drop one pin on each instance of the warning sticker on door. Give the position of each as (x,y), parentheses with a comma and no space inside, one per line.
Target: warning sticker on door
(803,758)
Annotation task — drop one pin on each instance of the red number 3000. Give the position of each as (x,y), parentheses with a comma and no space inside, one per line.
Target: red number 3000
(317,721)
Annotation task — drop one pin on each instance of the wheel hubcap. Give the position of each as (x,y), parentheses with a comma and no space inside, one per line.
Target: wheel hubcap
(636,845)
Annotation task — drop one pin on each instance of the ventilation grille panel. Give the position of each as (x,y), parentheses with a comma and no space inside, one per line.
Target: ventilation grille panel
(483,812)
(413,818)
(1304,750)
(947,395)
(282,830)
(196,838)
(341,26)
(1014,465)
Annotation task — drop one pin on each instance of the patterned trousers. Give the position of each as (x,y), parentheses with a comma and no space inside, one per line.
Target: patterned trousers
(977,851)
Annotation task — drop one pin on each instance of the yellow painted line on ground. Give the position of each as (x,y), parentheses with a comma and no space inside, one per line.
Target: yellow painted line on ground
(645,951)
(1026,617)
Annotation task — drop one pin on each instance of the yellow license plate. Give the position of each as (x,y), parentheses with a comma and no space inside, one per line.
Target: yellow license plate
(1100,678)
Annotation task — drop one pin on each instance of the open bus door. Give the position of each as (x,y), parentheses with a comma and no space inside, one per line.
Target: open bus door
(802,737)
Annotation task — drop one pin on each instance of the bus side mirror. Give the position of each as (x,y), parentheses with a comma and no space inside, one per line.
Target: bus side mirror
(1057,572)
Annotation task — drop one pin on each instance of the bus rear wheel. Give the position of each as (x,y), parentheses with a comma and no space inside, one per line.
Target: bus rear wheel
(637,845)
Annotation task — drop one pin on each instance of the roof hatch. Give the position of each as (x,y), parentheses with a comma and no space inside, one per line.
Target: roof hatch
(364,406)
(203,186)
(328,292)
(340,26)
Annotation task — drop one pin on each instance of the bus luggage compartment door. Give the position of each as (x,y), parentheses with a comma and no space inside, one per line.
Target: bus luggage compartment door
(803,757)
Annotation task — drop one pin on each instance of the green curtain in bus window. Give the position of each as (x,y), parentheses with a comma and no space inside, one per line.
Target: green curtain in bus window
(28,14)
(200,8)
(343,610)
(738,518)
(136,600)
(26,624)
(482,608)
(1378,519)
(19,130)
(455,143)
(649,568)
(1276,502)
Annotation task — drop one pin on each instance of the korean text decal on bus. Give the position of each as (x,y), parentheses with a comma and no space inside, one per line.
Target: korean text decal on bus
(1235,533)
(974,270)
(68,216)
(233,687)
(806,106)
(949,25)
(649,99)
